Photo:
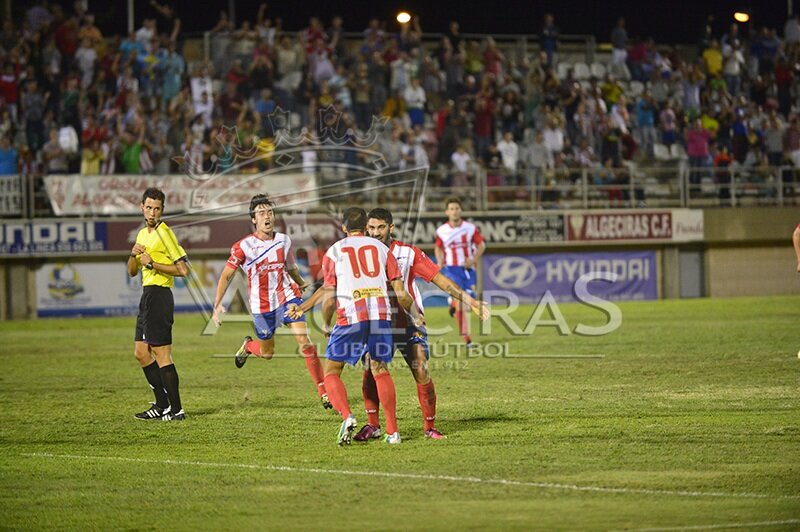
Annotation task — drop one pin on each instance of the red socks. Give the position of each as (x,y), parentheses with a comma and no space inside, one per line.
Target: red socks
(369,391)
(253,347)
(386,394)
(337,394)
(462,318)
(314,367)
(427,401)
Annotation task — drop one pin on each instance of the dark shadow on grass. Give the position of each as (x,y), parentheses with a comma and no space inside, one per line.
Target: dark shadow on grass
(493,418)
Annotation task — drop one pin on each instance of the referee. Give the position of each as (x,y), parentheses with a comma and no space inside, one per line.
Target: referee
(161,259)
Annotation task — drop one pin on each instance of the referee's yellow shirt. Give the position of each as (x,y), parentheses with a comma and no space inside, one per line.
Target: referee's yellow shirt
(163,248)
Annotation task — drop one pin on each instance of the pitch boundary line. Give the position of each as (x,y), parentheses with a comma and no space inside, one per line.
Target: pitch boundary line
(420,476)
(721,525)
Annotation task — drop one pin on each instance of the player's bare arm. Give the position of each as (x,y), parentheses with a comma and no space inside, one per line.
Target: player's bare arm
(294,273)
(296,311)
(407,302)
(796,242)
(479,308)
(328,310)
(225,279)
(439,254)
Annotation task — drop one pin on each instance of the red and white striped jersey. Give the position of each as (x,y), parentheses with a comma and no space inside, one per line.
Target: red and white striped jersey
(458,242)
(265,262)
(360,267)
(413,263)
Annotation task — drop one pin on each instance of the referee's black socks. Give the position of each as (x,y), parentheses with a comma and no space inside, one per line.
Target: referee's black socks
(153,376)
(169,376)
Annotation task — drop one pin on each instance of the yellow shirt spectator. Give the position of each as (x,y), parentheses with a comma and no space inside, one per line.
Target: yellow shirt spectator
(713,59)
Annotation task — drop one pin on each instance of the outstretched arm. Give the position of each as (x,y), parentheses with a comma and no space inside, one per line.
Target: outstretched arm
(222,285)
(296,311)
(479,308)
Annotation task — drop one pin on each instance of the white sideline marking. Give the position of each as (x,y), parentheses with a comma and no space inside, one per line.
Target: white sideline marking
(725,525)
(417,476)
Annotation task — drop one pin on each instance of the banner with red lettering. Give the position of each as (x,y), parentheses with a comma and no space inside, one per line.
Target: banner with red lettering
(674,225)
(122,194)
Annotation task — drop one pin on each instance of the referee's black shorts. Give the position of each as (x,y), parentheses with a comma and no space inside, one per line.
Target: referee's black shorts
(156,315)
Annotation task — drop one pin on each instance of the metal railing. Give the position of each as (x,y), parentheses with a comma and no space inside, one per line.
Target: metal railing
(482,190)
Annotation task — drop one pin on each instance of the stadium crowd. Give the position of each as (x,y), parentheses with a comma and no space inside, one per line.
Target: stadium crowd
(74,99)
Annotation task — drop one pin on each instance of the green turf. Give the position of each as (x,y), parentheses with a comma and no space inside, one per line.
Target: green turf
(692,414)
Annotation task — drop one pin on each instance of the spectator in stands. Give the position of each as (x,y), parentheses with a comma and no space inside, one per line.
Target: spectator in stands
(33,107)
(509,152)
(8,157)
(734,65)
(584,155)
(86,57)
(91,157)
(461,161)
(773,138)
(9,87)
(712,57)
(668,123)
(55,158)
(610,143)
(414,96)
(619,43)
(172,67)
(697,148)
(646,121)
(548,39)
(539,159)
(554,134)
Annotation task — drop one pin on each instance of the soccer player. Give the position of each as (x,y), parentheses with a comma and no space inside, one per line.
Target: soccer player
(273,282)
(459,246)
(413,341)
(161,259)
(358,269)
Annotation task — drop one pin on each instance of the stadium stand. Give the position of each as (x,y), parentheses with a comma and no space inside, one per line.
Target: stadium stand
(74,100)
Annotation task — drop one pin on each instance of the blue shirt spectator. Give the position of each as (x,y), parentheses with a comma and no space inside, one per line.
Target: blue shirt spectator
(8,157)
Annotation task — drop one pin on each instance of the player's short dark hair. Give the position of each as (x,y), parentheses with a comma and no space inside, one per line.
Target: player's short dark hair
(259,199)
(154,194)
(379,213)
(453,199)
(354,219)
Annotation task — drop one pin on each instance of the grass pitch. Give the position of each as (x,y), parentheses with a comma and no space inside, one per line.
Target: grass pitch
(689,419)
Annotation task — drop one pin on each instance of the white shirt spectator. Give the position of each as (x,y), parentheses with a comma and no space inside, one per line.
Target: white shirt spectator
(201,84)
(86,57)
(144,36)
(554,139)
(509,152)
(734,61)
(414,96)
(204,107)
(461,162)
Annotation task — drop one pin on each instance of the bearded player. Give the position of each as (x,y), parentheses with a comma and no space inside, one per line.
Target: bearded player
(412,341)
